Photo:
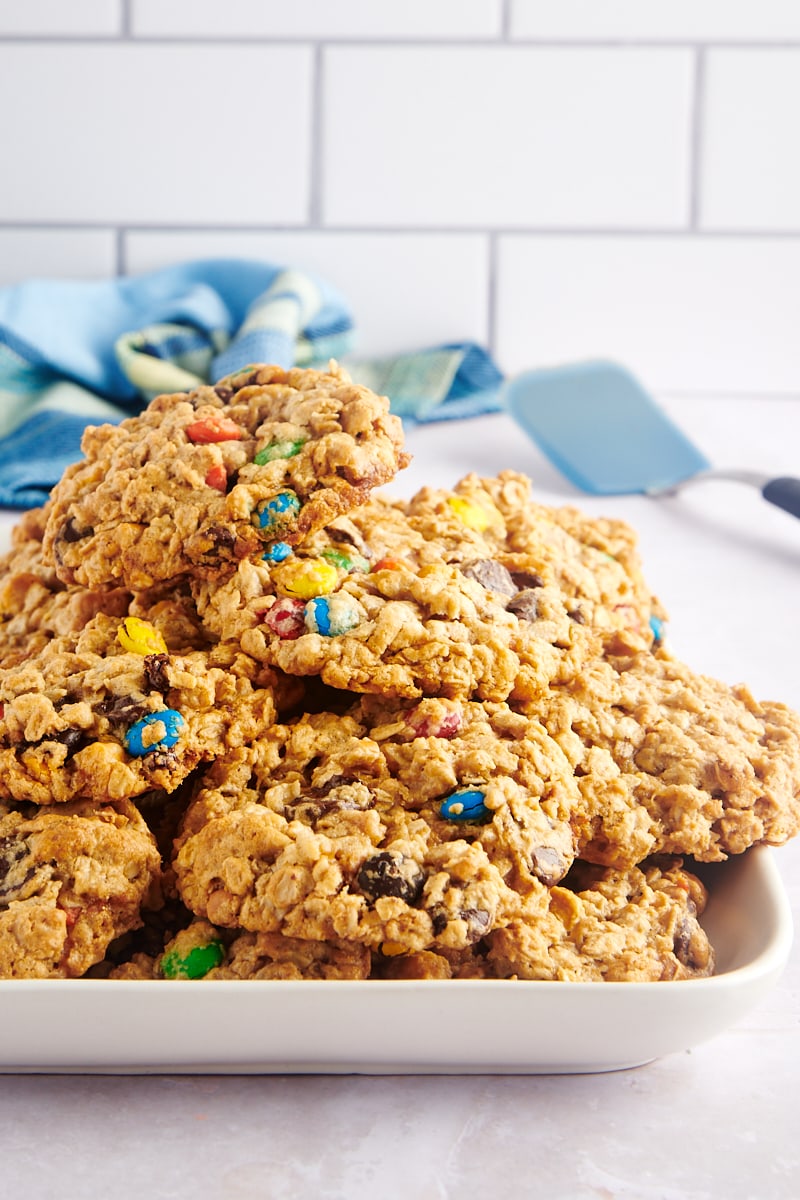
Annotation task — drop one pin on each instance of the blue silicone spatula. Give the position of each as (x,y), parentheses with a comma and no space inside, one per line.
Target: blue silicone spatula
(601,429)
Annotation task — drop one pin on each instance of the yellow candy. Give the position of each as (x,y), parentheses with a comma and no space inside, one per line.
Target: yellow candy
(307,578)
(471,515)
(140,637)
(392,949)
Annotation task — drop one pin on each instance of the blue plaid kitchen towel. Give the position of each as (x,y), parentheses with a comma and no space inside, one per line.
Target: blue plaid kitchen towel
(75,353)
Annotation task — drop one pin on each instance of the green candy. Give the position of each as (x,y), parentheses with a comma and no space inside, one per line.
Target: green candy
(194,965)
(345,562)
(274,450)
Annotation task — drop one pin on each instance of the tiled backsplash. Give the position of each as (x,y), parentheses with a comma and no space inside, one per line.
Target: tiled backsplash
(553,180)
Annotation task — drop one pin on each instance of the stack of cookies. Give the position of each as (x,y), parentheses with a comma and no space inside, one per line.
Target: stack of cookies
(261,722)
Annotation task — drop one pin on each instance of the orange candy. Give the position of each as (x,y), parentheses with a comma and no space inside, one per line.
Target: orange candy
(214,429)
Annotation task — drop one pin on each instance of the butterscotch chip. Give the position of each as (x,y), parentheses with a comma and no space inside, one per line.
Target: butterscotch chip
(203,479)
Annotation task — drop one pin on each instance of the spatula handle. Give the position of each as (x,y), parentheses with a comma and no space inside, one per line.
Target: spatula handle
(785,493)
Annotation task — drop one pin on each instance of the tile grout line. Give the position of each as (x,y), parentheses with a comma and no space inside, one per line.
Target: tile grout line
(505,21)
(608,233)
(697,143)
(448,41)
(125,26)
(120,267)
(316,146)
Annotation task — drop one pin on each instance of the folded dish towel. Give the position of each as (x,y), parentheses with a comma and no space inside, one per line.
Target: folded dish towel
(74,353)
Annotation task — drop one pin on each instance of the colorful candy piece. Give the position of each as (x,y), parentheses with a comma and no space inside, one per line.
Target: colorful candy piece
(657,627)
(331,615)
(467,805)
(214,429)
(474,516)
(194,964)
(279,449)
(387,563)
(217,477)
(140,637)
(307,577)
(156,731)
(285,618)
(345,562)
(278,511)
(278,552)
(445,725)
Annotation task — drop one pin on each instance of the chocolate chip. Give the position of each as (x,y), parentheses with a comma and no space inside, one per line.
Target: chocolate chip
(155,672)
(160,758)
(73,739)
(350,539)
(391,874)
(222,537)
(525,605)
(71,533)
(225,394)
(12,851)
(439,919)
(577,616)
(689,944)
(478,921)
(490,574)
(122,710)
(527,579)
(548,865)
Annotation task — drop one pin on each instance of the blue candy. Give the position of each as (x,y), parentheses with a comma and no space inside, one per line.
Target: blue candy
(466,806)
(331,616)
(278,511)
(173,723)
(657,626)
(277,552)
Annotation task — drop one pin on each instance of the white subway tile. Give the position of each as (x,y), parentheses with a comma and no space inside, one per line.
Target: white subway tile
(156,134)
(686,314)
(317,18)
(751,170)
(461,136)
(57,253)
(405,290)
(52,17)
(693,20)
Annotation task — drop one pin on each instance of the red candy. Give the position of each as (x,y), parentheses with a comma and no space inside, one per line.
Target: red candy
(217,478)
(214,429)
(390,564)
(286,618)
(447,726)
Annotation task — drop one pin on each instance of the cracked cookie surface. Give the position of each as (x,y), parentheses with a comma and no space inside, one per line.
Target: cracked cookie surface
(203,479)
(71,880)
(124,707)
(400,826)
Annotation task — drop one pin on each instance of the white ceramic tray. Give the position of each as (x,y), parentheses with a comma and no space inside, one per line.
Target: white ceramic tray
(446,1027)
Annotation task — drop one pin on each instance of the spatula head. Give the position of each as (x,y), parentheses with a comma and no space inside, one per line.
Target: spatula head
(600,428)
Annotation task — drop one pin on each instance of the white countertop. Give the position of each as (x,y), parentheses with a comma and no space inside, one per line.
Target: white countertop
(717,1121)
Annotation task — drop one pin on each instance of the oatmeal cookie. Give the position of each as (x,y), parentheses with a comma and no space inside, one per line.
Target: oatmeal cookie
(600,924)
(593,562)
(671,761)
(201,951)
(402,826)
(201,480)
(71,880)
(370,604)
(34,604)
(121,708)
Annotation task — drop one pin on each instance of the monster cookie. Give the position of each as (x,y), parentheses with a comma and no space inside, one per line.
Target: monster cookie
(670,761)
(600,924)
(593,563)
(204,479)
(71,880)
(34,604)
(372,605)
(393,826)
(122,708)
(201,951)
